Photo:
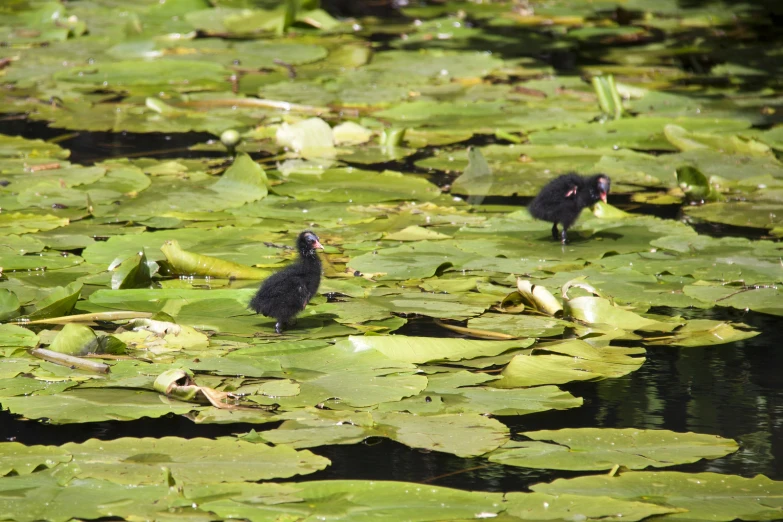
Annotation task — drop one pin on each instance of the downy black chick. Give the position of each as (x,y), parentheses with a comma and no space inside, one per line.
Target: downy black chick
(286,293)
(562,200)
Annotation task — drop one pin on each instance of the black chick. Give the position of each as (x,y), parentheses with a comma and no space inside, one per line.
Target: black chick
(286,293)
(563,198)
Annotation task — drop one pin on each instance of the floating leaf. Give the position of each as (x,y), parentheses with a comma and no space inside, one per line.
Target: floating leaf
(706,496)
(138,461)
(703,332)
(94,405)
(479,434)
(425,349)
(602,449)
(539,506)
(571,361)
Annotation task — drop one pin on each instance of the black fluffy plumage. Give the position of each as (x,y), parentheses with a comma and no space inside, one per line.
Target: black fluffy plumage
(562,200)
(286,293)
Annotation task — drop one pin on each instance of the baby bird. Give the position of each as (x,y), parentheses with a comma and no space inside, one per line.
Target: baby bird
(286,293)
(563,198)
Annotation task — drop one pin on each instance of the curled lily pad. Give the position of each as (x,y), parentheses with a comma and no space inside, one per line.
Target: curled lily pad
(59,302)
(133,272)
(539,297)
(77,339)
(188,263)
(696,186)
(179,383)
(569,361)
(703,332)
(9,305)
(424,349)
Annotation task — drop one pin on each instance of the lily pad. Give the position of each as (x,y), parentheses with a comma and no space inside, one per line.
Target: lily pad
(138,461)
(598,449)
(706,496)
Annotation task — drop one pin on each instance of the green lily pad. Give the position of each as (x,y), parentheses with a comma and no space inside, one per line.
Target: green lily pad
(94,405)
(539,506)
(571,361)
(345,499)
(426,349)
(356,186)
(437,432)
(24,460)
(60,301)
(138,461)
(706,496)
(599,449)
(637,133)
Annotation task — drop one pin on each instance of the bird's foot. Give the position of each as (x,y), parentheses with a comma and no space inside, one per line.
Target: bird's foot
(279,327)
(563,237)
(555,233)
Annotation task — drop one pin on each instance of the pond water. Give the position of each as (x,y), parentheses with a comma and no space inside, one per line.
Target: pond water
(731,390)
(159,158)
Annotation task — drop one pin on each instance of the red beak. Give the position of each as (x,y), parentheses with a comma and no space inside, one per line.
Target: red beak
(317,244)
(603,197)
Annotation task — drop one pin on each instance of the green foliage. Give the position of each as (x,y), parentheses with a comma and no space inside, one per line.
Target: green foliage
(149,264)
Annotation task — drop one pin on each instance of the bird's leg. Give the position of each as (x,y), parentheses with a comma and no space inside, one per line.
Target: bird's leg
(279,327)
(555,234)
(563,236)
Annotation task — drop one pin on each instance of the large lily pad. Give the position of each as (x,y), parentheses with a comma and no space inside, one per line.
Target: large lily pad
(706,496)
(138,461)
(596,449)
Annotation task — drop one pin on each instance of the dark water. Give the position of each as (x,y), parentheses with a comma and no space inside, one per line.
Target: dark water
(733,390)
